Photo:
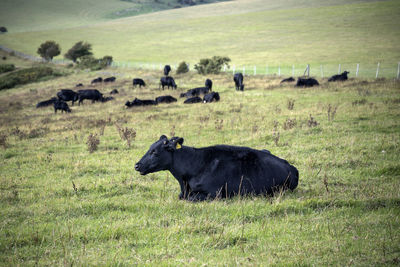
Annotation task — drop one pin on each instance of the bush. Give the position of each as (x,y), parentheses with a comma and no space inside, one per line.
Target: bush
(48,50)
(89,62)
(211,65)
(6,68)
(25,76)
(80,49)
(3,29)
(182,68)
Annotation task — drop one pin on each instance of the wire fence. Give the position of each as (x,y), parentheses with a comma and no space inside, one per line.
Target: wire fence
(364,70)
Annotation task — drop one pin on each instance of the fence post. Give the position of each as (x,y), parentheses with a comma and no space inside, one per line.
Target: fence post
(322,72)
(279,70)
(224,67)
(339,69)
(398,71)
(377,70)
(255,70)
(293,70)
(307,70)
(358,68)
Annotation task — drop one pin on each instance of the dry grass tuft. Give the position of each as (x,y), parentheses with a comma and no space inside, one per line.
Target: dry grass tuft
(93,142)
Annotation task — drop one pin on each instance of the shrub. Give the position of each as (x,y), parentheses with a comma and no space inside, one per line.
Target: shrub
(25,76)
(79,50)
(48,50)
(127,134)
(93,141)
(211,65)
(182,68)
(89,62)
(6,68)
(3,29)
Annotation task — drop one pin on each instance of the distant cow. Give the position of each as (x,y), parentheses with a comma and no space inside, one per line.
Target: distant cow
(167,69)
(288,80)
(238,79)
(61,105)
(208,84)
(114,91)
(138,81)
(339,77)
(220,171)
(165,99)
(110,79)
(79,85)
(195,92)
(211,97)
(91,94)
(106,99)
(46,103)
(306,82)
(68,95)
(97,80)
(140,102)
(193,100)
(167,81)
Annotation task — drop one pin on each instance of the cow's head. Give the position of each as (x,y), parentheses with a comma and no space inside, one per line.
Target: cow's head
(159,156)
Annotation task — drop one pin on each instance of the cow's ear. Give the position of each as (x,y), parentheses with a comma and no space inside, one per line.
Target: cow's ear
(178,143)
(163,137)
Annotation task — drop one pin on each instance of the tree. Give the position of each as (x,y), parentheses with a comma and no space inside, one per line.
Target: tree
(182,68)
(211,65)
(48,50)
(79,50)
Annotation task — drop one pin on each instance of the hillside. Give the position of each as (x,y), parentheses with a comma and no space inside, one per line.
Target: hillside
(249,32)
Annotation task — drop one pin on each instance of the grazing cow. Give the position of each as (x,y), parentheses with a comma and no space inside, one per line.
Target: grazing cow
(165,99)
(46,103)
(109,79)
(114,91)
(288,80)
(138,81)
(238,79)
(211,97)
(92,94)
(68,95)
(167,81)
(195,92)
(106,99)
(61,105)
(306,82)
(97,80)
(167,69)
(140,102)
(218,171)
(339,77)
(208,84)
(79,85)
(193,100)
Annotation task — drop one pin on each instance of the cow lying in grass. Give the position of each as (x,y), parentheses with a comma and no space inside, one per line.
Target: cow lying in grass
(218,171)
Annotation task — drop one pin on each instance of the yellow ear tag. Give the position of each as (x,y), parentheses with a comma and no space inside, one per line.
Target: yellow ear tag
(178,146)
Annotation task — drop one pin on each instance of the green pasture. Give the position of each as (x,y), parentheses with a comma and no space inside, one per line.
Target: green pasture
(62,205)
(249,32)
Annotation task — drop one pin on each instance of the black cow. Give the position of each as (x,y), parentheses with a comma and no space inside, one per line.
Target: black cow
(92,94)
(138,81)
(79,85)
(61,105)
(97,80)
(140,102)
(238,79)
(165,99)
(46,103)
(288,80)
(167,81)
(339,77)
(193,100)
(167,69)
(195,92)
(218,171)
(109,79)
(106,99)
(68,95)
(208,84)
(114,91)
(306,82)
(211,97)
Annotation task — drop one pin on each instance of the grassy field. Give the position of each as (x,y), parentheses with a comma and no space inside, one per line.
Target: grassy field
(62,205)
(251,32)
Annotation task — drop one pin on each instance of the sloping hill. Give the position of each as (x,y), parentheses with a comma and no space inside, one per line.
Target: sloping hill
(250,32)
